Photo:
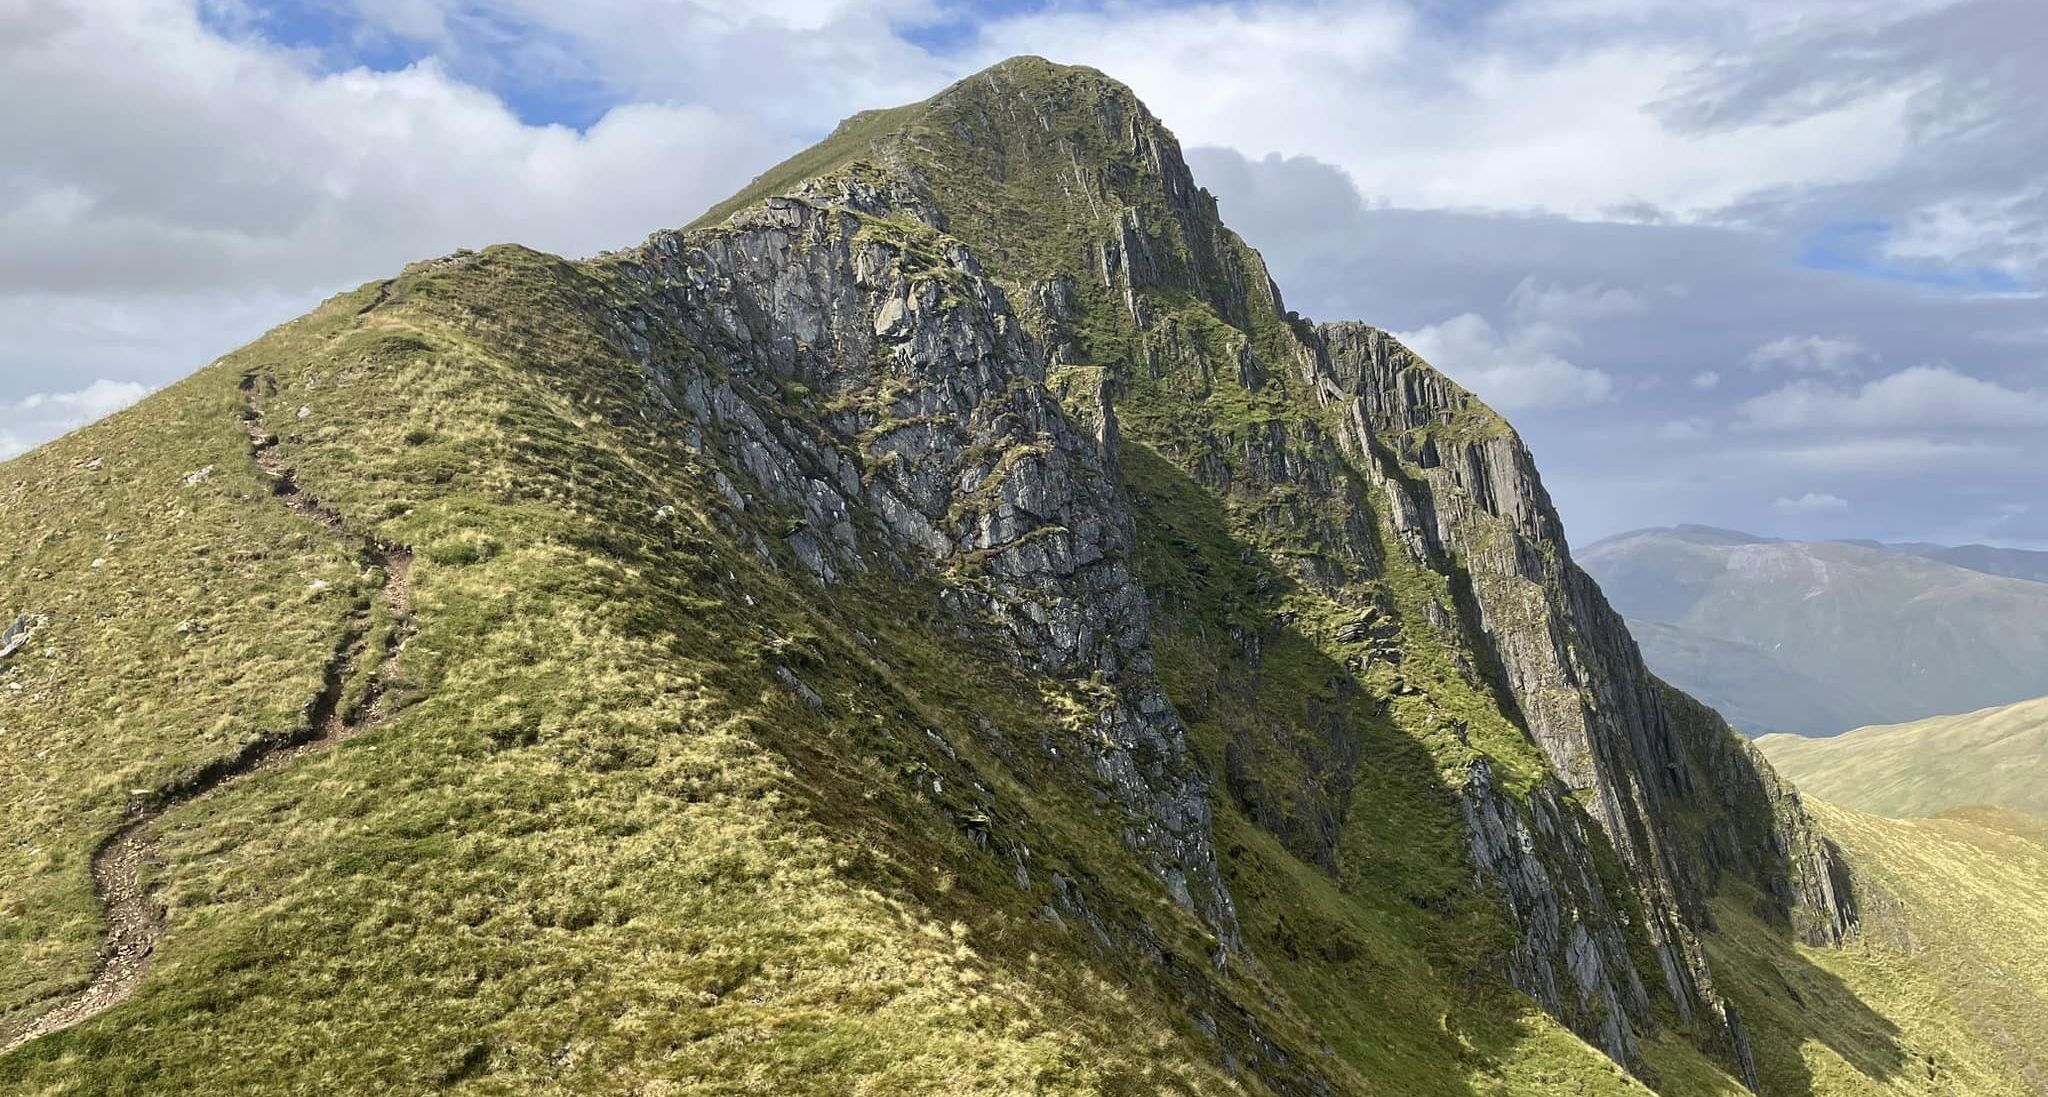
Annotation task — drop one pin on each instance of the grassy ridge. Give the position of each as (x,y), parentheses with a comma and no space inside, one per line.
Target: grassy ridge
(611,848)
(607,849)
(186,615)
(1996,756)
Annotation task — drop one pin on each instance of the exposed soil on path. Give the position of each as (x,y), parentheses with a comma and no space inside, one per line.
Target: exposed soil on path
(134,921)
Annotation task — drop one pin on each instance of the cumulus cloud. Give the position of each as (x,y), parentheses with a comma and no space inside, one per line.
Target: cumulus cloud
(1813,502)
(1970,196)
(1567,204)
(1836,354)
(174,188)
(1522,366)
(1530,109)
(795,65)
(1921,397)
(1685,430)
(162,153)
(39,416)
(1536,302)
(1516,370)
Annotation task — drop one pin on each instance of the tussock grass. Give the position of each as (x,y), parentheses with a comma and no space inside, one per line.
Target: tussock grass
(608,847)
(1945,990)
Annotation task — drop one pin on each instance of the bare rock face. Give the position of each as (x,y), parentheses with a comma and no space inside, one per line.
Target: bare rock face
(864,373)
(1757,827)
(1470,500)
(1468,497)
(1572,956)
(840,353)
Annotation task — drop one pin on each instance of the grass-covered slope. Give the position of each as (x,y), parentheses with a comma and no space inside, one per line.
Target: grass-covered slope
(807,683)
(1944,990)
(1996,756)
(177,614)
(606,849)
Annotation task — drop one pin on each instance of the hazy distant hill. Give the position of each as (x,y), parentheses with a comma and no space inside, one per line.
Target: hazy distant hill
(1994,756)
(2011,563)
(939,626)
(1749,685)
(1820,637)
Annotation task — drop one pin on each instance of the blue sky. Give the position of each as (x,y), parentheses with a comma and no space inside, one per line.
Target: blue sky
(1770,265)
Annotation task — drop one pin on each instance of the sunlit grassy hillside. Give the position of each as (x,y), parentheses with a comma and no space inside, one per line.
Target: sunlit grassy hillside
(1945,991)
(1996,756)
(657,809)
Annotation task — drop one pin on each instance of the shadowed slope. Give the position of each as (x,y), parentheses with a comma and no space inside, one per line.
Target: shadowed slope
(942,628)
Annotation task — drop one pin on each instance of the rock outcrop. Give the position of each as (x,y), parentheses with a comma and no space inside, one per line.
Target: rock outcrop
(1471,502)
(929,418)
(869,380)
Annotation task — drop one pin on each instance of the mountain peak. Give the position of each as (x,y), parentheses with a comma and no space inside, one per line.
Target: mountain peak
(999,120)
(937,624)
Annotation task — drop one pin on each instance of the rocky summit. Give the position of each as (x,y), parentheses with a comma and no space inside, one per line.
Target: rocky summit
(937,624)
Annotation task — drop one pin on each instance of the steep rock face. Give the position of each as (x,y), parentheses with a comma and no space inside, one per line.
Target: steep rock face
(1081,199)
(1469,499)
(1756,826)
(924,416)
(1568,930)
(1574,672)
(995,464)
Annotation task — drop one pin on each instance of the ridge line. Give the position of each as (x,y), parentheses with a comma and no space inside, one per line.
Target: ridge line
(134,925)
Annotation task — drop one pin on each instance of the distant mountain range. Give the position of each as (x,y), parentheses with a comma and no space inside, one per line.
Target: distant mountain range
(1996,756)
(2011,563)
(940,625)
(1818,637)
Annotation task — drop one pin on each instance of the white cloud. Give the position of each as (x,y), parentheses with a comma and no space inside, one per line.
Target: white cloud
(2005,232)
(1509,372)
(1545,116)
(173,190)
(39,417)
(1690,429)
(1892,455)
(1813,502)
(1832,354)
(1923,397)
(1523,366)
(1706,380)
(1535,301)
(794,64)
(162,154)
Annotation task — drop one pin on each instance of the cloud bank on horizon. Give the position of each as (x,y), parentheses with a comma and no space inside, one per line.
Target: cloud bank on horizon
(1770,264)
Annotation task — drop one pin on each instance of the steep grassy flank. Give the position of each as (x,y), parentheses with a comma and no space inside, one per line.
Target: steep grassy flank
(1995,756)
(607,849)
(1944,992)
(185,614)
